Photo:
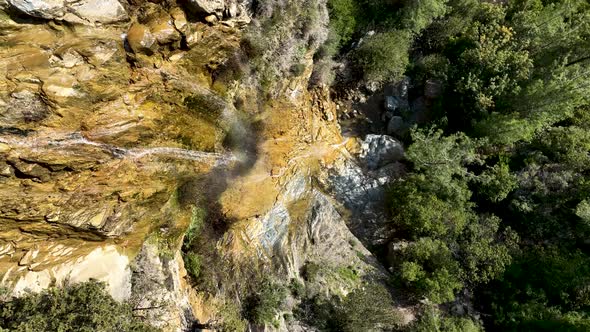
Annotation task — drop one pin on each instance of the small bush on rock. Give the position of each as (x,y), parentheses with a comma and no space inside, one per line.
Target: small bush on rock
(192,263)
(231,318)
(262,306)
(297,288)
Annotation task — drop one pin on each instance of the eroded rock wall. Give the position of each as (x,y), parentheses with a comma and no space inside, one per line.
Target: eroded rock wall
(95,138)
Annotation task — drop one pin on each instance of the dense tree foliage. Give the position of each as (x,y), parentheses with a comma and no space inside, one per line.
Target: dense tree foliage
(384,55)
(451,244)
(495,202)
(79,307)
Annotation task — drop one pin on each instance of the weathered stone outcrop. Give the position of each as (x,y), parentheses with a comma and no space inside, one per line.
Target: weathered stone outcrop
(380,150)
(232,12)
(82,12)
(160,293)
(141,39)
(208,6)
(104,263)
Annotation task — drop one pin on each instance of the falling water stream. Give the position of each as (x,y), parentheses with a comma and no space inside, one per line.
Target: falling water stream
(76,139)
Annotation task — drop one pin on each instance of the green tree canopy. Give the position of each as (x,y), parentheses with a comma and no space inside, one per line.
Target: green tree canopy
(84,307)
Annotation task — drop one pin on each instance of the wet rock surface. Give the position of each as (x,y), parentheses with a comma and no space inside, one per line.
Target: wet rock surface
(23,106)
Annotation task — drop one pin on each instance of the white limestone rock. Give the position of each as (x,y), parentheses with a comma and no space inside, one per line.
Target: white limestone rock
(83,12)
(380,150)
(207,6)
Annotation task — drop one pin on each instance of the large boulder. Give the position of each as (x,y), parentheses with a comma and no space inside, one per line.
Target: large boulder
(141,39)
(397,126)
(82,12)
(231,11)
(163,29)
(47,9)
(101,11)
(207,6)
(380,150)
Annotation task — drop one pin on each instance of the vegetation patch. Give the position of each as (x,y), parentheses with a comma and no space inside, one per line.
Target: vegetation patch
(192,263)
(310,271)
(195,227)
(384,56)
(77,307)
(495,199)
(277,46)
(364,309)
(192,260)
(297,288)
(264,303)
(348,273)
(231,318)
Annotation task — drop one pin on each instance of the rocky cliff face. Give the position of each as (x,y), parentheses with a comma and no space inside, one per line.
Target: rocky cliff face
(114,127)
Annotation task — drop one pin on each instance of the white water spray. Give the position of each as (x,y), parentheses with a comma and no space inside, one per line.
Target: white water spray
(76,139)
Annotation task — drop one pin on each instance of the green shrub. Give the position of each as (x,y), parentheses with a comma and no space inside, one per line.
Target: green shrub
(348,273)
(298,69)
(583,211)
(261,307)
(286,31)
(192,263)
(384,56)
(84,307)
(329,48)
(165,242)
(297,288)
(343,14)
(545,289)
(432,66)
(496,182)
(323,313)
(253,45)
(231,318)
(367,308)
(310,271)
(430,269)
(433,320)
(419,14)
(323,72)
(195,227)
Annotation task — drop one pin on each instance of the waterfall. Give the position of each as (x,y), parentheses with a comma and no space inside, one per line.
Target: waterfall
(76,138)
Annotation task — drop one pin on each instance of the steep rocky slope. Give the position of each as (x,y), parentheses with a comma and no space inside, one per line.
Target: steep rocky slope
(115,129)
